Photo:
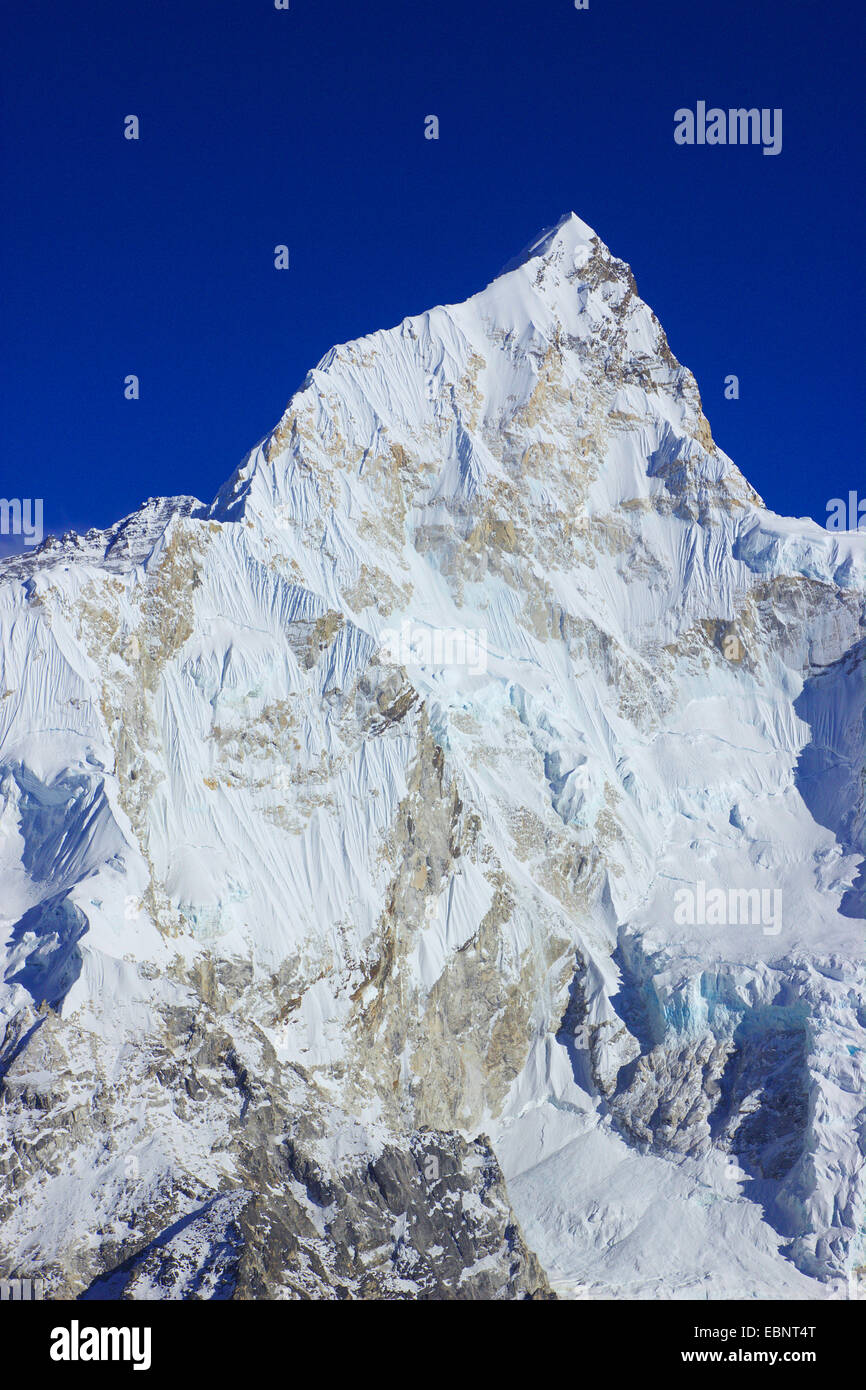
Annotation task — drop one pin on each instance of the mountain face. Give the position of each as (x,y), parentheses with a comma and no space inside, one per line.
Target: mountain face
(433,869)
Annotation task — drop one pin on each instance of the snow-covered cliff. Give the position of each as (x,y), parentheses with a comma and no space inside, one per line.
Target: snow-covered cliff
(475,790)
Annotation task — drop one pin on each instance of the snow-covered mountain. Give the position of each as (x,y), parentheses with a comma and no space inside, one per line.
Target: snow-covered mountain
(444,847)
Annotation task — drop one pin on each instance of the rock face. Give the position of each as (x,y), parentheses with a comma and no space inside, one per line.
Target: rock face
(431,1221)
(474,788)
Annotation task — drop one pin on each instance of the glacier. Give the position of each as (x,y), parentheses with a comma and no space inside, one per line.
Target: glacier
(336,966)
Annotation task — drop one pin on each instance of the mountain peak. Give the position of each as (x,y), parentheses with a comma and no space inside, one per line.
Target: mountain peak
(485,760)
(570,232)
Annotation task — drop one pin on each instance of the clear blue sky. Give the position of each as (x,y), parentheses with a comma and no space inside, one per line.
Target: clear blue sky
(306,127)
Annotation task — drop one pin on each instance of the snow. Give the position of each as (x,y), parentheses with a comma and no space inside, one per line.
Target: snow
(267,828)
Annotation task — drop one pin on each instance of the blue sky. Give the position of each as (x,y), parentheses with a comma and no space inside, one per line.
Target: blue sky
(306,127)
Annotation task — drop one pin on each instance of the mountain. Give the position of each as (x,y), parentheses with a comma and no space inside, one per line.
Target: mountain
(434,868)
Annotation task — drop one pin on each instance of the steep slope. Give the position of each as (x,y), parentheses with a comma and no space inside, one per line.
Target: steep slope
(352,826)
